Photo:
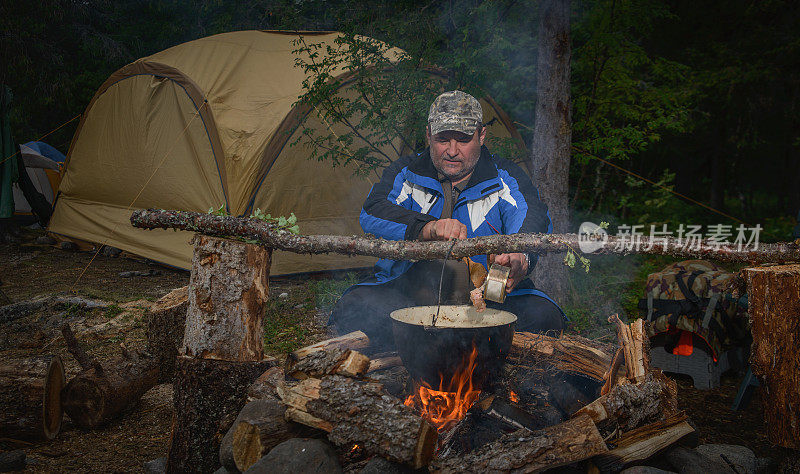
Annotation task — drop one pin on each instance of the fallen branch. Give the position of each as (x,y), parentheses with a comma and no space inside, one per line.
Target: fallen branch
(20,309)
(269,235)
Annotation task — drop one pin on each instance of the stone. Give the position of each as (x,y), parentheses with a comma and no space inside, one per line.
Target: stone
(45,240)
(308,456)
(68,246)
(155,466)
(379,465)
(740,458)
(283,295)
(645,470)
(12,460)
(109,251)
(689,461)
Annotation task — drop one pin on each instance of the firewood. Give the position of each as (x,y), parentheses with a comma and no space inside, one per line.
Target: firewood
(265,385)
(567,353)
(611,375)
(359,412)
(632,341)
(633,405)
(166,321)
(260,426)
(356,340)
(30,398)
(222,349)
(644,442)
(102,392)
(269,235)
(523,451)
(386,362)
(330,361)
(774,310)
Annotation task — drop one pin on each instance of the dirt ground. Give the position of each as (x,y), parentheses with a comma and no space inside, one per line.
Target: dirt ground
(294,319)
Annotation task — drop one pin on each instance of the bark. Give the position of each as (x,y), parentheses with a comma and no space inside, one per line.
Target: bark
(357,412)
(573,354)
(227,293)
(552,134)
(633,405)
(524,451)
(222,348)
(635,348)
(30,398)
(385,362)
(333,361)
(166,321)
(355,340)
(643,443)
(269,236)
(265,386)
(774,309)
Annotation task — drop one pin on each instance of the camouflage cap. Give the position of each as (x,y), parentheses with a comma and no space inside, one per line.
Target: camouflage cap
(455,110)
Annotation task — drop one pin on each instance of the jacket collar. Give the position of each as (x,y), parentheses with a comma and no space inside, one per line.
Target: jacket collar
(426,174)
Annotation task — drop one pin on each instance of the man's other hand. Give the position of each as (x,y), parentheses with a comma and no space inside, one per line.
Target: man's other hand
(518,264)
(443,229)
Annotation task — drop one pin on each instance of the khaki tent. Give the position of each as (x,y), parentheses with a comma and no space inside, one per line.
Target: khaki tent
(208,123)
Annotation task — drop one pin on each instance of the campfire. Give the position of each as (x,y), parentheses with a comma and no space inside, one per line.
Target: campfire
(449,404)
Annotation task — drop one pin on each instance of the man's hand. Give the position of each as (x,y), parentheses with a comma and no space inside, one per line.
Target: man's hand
(443,229)
(518,263)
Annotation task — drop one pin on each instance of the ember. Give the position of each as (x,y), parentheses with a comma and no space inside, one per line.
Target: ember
(512,395)
(449,404)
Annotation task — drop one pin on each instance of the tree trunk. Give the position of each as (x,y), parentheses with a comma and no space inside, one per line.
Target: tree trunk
(30,398)
(774,309)
(552,135)
(222,348)
(166,321)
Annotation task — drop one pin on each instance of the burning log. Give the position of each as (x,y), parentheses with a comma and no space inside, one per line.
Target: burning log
(271,236)
(523,451)
(100,393)
(573,354)
(644,442)
(166,321)
(30,398)
(332,361)
(358,412)
(222,347)
(355,340)
(774,306)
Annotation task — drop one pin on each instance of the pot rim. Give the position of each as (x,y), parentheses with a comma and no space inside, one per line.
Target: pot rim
(453,317)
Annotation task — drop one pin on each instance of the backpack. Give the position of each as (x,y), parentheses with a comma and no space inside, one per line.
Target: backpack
(695,296)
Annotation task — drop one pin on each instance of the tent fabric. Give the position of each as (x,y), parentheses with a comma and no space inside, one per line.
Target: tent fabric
(43,172)
(46,150)
(205,124)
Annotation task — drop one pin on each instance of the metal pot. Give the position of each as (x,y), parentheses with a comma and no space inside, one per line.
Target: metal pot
(433,353)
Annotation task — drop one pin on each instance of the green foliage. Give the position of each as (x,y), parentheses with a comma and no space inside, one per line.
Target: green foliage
(112,311)
(328,291)
(221,211)
(288,224)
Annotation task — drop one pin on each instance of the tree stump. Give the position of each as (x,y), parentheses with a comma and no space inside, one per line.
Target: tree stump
(166,321)
(774,306)
(30,398)
(222,347)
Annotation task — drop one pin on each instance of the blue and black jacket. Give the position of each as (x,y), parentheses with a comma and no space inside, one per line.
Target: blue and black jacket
(498,198)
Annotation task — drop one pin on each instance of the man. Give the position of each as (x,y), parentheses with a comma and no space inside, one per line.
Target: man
(454,190)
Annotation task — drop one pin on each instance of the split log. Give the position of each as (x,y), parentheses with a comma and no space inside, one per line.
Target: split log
(271,236)
(166,321)
(358,412)
(260,426)
(523,451)
(333,361)
(101,393)
(635,347)
(387,361)
(647,441)
(355,340)
(774,309)
(633,405)
(30,398)
(222,348)
(265,386)
(573,354)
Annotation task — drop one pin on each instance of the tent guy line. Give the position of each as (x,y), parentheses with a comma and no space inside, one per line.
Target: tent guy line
(43,136)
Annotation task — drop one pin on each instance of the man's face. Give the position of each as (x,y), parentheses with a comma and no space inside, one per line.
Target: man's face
(455,154)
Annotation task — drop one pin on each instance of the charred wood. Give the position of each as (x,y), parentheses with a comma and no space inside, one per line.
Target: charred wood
(30,398)
(271,236)
(359,412)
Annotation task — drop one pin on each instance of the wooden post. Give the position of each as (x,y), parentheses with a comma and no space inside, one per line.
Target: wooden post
(773,295)
(222,348)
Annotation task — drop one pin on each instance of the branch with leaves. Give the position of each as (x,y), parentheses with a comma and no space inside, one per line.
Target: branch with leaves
(269,234)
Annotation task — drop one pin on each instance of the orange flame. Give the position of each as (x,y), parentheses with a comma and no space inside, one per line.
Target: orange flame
(446,406)
(512,395)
